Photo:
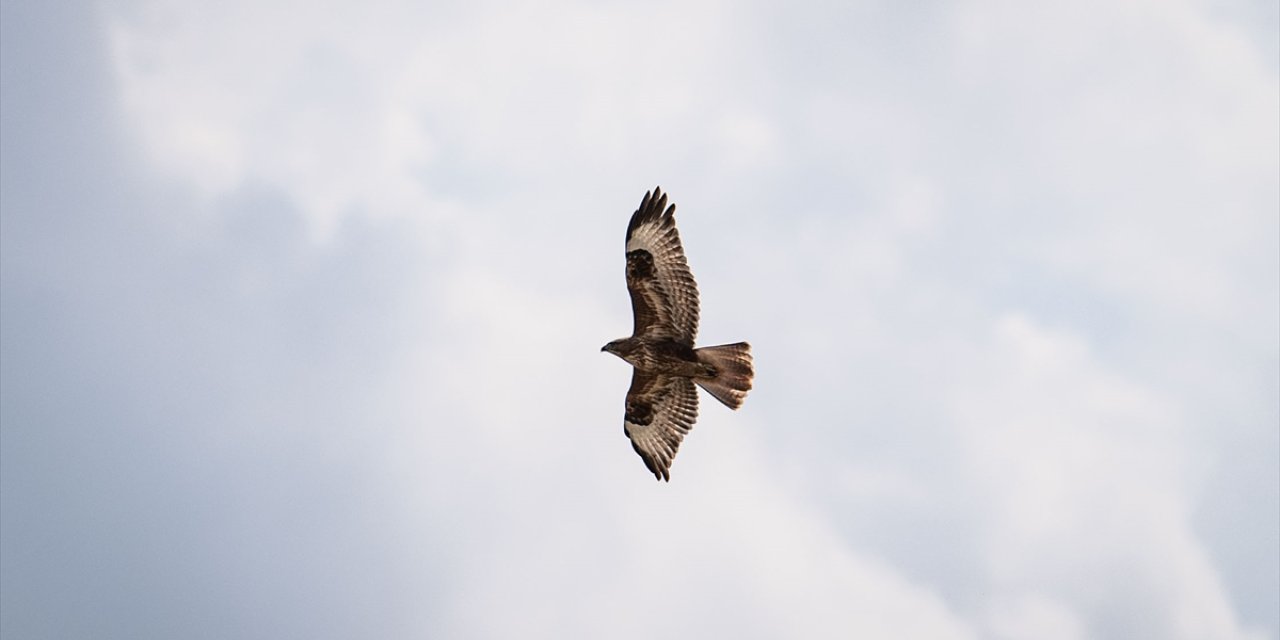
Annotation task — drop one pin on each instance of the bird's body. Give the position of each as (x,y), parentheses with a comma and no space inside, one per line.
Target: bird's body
(662,356)
(662,403)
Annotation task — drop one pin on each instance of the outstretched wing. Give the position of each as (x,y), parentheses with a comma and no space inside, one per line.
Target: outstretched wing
(664,296)
(660,411)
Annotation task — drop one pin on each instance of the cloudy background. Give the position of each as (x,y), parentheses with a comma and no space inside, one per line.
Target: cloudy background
(302,308)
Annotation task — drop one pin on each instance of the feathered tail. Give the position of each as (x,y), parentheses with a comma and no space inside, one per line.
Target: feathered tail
(733,372)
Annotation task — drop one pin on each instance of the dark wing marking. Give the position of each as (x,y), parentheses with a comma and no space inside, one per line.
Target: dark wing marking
(660,411)
(664,296)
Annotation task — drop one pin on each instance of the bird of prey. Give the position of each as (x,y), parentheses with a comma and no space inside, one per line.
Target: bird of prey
(662,403)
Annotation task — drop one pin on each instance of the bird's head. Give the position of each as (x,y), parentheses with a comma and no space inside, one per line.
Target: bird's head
(620,347)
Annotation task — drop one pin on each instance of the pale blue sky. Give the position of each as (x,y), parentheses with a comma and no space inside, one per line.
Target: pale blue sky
(302,310)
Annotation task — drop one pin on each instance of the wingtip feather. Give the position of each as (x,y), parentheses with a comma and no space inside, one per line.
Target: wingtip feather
(652,207)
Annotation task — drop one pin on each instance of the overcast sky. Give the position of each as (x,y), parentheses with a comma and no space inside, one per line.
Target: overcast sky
(303,303)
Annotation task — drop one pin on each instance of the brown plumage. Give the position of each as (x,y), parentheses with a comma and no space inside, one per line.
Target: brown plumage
(662,404)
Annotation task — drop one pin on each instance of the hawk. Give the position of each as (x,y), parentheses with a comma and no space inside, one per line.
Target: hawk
(662,404)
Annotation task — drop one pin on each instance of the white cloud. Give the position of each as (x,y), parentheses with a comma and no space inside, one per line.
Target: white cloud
(389,114)
(892,205)
(521,447)
(1148,131)
(1032,616)
(1087,477)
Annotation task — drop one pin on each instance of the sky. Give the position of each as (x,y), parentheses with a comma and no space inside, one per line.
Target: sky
(302,308)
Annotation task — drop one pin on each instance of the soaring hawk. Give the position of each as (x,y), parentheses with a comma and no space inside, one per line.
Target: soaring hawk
(662,403)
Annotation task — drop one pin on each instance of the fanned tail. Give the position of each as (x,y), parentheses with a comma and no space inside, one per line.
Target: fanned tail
(733,372)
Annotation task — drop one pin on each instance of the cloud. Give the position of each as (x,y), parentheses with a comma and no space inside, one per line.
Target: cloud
(319,351)
(1082,459)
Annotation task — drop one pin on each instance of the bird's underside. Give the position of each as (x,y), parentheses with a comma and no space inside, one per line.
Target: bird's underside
(662,405)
